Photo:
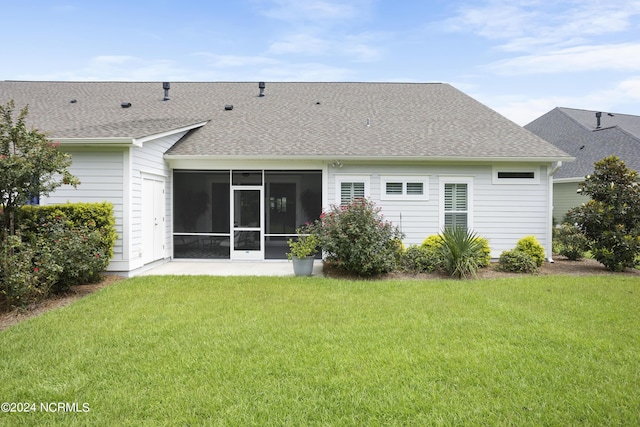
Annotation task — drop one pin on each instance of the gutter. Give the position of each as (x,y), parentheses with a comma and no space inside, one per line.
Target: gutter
(550,175)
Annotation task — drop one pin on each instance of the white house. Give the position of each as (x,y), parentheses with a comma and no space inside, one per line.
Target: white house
(229,170)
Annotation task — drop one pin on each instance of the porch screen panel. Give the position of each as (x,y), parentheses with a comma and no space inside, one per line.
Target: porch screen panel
(455,205)
(201,221)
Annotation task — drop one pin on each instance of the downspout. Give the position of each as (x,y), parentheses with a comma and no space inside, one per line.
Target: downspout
(550,175)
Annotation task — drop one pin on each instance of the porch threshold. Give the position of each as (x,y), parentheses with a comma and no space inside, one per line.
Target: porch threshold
(227,268)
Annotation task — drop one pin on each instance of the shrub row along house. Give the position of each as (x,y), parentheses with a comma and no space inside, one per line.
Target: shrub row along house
(589,136)
(229,170)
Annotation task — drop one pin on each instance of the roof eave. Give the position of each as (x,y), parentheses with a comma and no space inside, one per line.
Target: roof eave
(103,142)
(375,158)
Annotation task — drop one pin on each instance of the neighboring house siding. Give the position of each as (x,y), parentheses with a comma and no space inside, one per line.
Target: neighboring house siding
(503,213)
(565,197)
(148,160)
(101,173)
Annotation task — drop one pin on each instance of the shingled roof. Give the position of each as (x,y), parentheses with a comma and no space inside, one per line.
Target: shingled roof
(576,132)
(298,120)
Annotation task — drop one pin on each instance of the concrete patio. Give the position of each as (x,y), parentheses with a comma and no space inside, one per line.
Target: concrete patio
(227,268)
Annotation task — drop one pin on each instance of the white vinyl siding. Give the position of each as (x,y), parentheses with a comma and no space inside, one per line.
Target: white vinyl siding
(101,174)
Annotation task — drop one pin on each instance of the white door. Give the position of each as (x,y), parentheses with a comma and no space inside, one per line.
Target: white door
(153,220)
(247,205)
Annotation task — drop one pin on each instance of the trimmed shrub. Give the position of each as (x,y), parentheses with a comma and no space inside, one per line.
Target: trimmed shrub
(95,216)
(533,248)
(570,242)
(418,259)
(357,239)
(517,261)
(461,252)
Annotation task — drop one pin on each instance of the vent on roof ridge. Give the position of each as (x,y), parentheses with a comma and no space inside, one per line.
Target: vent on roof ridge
(166,86)
(73,101)
(261,86)
(125,105)
(228,107)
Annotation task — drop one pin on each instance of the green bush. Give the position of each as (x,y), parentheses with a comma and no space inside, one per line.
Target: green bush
(79,252)
(462,252)
(570,242)
(357,239)
(94,216)
(517,261)
(533,248)
(418,259)
(18,278)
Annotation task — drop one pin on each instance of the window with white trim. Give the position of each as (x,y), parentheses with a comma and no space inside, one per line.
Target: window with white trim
(350,187)
(404,187)
(516,175)
(456,209)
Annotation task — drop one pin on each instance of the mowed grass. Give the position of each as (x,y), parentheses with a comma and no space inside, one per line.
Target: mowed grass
(264,351)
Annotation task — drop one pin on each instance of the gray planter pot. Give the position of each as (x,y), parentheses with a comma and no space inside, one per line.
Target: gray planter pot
(303,266)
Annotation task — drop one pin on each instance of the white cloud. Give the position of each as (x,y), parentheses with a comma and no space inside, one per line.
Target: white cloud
(300,44)
(231,61)
(624,57)
(305,11)
(531,25)
(622,97)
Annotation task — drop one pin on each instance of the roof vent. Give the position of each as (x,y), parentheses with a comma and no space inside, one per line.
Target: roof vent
(261,86)
(166,86)
(228,107)
(73,101)
(125,105)
(598,115)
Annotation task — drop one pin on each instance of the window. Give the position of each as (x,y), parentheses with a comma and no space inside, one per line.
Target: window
(516,175)
(350,191)
(455,205)
(404,187)
(351,187)
(456,198)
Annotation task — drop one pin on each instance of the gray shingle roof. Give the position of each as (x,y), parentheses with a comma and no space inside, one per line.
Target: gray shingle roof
(574,131)
(357,120)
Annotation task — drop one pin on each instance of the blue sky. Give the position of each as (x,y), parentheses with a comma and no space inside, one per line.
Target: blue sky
(519,57)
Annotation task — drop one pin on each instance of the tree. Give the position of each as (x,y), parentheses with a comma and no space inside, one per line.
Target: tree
(611,218)
(30,165)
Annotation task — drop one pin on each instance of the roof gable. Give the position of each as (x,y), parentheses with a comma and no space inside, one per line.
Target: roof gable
(575,132)
(346,120)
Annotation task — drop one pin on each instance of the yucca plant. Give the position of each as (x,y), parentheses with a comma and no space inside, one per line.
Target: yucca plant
(461,252)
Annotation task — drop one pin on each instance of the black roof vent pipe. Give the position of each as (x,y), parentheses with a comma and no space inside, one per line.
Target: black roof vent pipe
(166,86)
(598,115)
(261,86)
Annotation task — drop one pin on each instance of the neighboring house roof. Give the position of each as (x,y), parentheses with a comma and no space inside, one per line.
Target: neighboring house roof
(577,133)
(297,120)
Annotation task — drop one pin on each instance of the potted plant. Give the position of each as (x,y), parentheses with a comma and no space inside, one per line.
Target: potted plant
(302,252)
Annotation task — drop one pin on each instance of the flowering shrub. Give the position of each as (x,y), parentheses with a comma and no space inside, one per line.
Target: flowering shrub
(78,253)
(357,239)
(18,283)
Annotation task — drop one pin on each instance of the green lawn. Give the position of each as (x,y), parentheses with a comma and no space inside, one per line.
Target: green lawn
(310,351)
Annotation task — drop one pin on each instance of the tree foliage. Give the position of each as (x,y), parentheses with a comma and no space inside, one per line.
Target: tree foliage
(611,218)
(30,164)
